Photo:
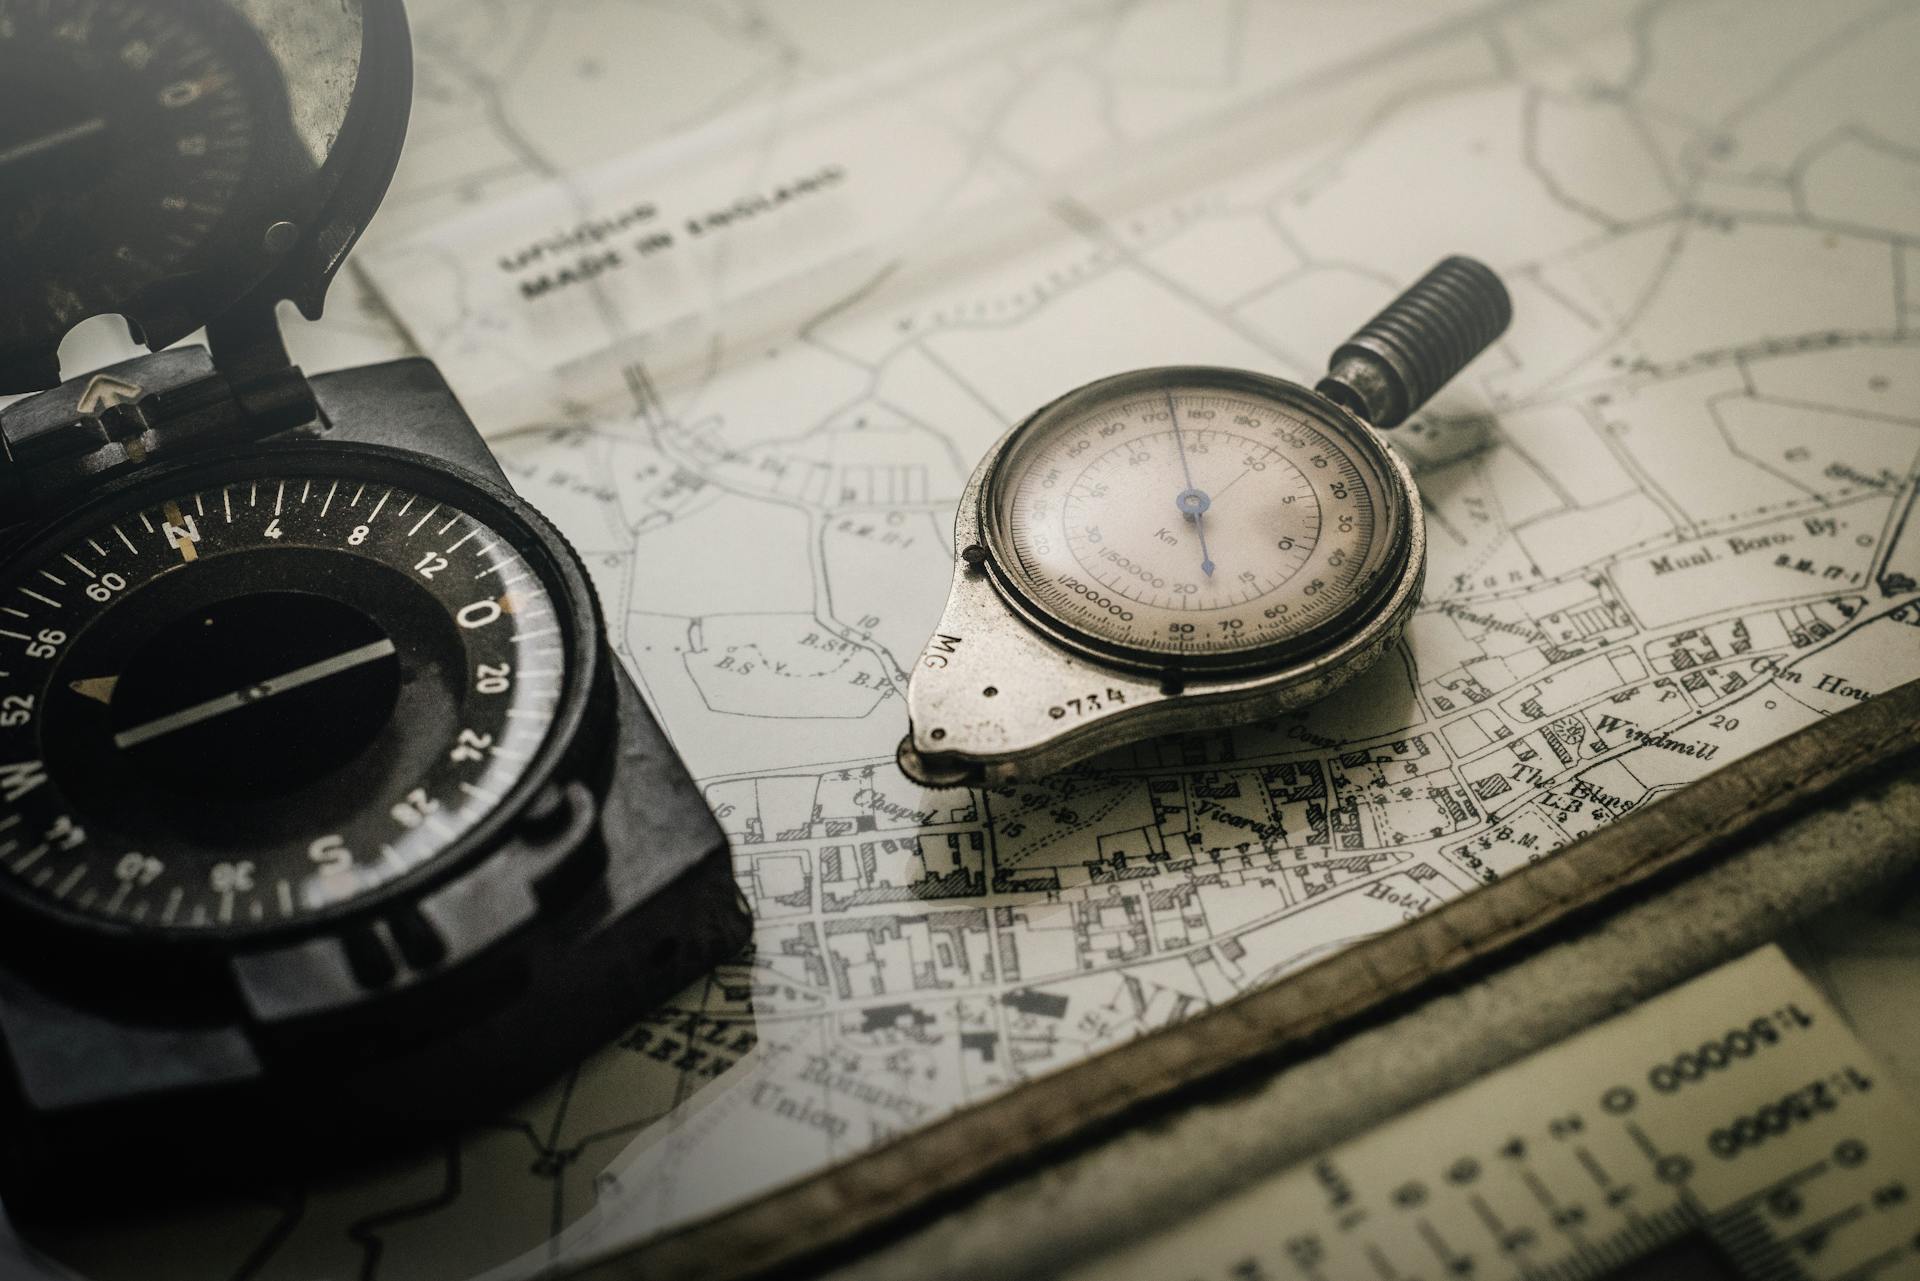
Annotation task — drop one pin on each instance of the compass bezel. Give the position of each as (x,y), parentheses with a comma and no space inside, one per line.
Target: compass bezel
(1389,558)
(580,719)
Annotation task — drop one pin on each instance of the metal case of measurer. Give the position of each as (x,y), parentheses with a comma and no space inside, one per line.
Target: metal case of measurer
(990,703)
(1013,684)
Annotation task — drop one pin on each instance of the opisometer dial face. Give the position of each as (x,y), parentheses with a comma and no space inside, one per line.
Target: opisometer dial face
(1196,517)
(241,700)
(127,130)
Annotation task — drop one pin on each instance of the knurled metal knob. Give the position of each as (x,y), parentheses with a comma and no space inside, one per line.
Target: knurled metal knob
(1424,337)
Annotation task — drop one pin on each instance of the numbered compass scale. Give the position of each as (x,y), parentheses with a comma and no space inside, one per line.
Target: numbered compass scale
(327,814)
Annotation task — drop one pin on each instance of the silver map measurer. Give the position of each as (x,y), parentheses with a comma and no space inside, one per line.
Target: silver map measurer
(1169,549)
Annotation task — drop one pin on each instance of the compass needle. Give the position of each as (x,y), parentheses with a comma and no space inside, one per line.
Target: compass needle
(248,695)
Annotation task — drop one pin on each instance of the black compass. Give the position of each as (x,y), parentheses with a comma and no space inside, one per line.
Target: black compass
(326,811)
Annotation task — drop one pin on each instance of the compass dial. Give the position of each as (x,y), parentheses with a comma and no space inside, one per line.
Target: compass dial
(243,699)
(127,131)
(1209,518)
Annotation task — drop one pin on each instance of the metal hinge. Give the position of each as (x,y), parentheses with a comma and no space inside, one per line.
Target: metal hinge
(57,444)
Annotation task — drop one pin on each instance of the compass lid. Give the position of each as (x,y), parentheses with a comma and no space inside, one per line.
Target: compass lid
(171,161)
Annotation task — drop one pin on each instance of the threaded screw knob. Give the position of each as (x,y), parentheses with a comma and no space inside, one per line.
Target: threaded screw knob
(1421,339)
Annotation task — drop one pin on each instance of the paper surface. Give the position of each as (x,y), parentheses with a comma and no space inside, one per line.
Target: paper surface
(1669,512)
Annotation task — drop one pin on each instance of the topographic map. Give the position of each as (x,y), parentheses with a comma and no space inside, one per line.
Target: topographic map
(743,297)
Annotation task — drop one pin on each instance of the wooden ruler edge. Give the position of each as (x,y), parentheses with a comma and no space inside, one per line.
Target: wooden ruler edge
(1259,1030)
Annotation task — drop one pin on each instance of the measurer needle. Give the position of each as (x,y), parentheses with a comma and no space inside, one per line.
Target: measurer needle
(1190,501)
(253,694)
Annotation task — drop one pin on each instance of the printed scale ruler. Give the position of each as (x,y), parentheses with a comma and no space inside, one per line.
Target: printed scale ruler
(1731,1128)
